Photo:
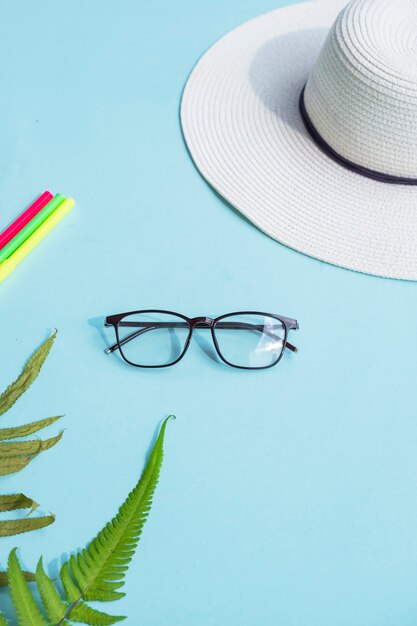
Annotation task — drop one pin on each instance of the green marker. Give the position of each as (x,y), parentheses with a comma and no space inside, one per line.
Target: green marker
(33,225)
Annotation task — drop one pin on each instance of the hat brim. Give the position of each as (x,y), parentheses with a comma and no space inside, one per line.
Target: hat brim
(241,121)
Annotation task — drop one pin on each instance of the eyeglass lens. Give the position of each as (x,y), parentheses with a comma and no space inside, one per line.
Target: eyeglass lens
(152,339)
(250,340)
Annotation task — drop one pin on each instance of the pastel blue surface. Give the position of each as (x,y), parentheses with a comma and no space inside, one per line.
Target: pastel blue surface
(289,496)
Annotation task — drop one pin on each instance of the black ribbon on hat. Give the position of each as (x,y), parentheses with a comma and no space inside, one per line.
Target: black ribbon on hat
(350,165)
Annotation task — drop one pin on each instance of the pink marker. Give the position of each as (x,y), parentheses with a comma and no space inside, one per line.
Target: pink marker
(24,219)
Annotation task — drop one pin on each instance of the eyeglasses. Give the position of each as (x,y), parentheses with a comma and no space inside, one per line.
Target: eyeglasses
(246,340)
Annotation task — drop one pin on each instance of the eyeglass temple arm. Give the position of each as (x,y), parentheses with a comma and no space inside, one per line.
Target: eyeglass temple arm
(147,326)
(128,338)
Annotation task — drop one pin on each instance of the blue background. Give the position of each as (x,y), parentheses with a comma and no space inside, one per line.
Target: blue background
(288,496)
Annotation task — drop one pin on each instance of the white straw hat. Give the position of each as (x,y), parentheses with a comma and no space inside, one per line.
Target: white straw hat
(312,134)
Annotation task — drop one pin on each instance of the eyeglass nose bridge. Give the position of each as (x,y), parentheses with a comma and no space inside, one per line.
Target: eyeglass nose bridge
(202,322)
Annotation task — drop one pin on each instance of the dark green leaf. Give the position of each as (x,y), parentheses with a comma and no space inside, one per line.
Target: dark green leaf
(25,525)
(15,464)
(14,527)
(32,447)
(26,429)
(16,501)
(26,378)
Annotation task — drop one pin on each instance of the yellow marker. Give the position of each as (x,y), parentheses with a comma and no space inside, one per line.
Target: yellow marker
(7,266)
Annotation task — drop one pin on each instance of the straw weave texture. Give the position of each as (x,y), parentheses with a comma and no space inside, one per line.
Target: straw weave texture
(362,93)
(242,124)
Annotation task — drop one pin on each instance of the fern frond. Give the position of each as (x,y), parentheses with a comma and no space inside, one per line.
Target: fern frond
(3,621)
(95,573)
(104,560)
(27,611)
(15,455)
(28,375)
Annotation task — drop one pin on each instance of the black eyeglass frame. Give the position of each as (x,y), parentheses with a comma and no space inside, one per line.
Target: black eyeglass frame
(198,322)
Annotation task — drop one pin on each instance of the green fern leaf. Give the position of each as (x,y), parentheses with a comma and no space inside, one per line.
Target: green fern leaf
(100,568)
(3,621)
(27,611)
(86,615)
(26,378)
(55,608)
(27,429)
(4,579)
(72,592)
